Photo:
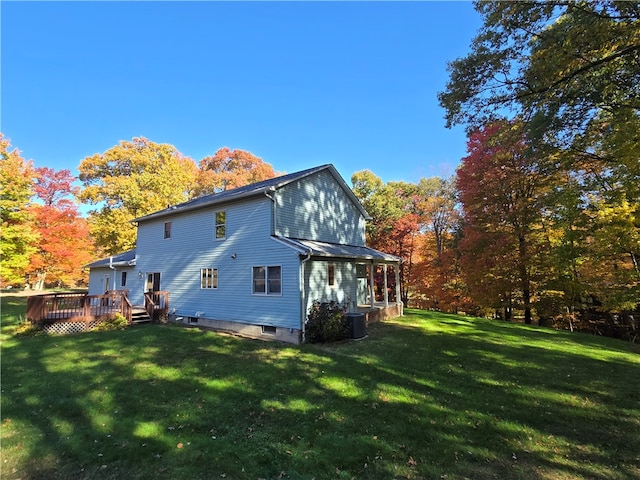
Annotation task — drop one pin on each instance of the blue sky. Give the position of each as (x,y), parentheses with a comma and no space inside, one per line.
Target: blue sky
(298,84)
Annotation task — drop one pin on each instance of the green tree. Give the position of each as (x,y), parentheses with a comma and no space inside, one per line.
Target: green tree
(385,203)
(17,236)
(132,179)
(564,62)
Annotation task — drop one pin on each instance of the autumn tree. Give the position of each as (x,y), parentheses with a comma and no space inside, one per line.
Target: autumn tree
(65,244)
(394,223)
(130,180)
(227,169)
(417,223)
(437,280)
(571,70)
(17,236)
(502,185)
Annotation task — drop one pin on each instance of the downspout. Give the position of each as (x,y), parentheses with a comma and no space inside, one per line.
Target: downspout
(274,228)
(114,272)
(303,298)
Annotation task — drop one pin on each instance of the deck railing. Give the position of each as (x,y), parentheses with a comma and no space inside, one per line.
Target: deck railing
(156,304)
(63,306)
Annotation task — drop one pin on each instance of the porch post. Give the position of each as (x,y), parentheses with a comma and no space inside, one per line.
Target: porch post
(386,290)
(396,268)
(372,295)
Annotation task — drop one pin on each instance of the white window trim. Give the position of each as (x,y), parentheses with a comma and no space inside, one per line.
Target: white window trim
(266,280)
(214,274)
(216,225)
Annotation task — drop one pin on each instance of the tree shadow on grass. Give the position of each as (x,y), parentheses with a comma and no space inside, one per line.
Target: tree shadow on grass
(411,400)
(524,396)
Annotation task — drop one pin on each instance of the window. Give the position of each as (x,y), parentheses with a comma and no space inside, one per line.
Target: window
(331,274)
(208,278)
(267,280)
(167,229)
(268,330)
(123,281)
(221,225)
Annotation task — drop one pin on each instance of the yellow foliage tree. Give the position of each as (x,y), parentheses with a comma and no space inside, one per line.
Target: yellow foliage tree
(132,179)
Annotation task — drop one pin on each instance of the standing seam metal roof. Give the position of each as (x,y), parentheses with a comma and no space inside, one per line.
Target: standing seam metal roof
(334,250)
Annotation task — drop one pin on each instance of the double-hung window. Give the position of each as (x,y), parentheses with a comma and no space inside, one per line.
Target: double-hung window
(221,225)
(208,278)
(167,229)
(267,280)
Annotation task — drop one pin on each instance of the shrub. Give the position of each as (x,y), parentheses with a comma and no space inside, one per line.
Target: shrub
(117,323)
(326,322)
(28,329)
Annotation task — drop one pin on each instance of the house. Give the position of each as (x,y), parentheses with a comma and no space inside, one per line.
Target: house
(252,260)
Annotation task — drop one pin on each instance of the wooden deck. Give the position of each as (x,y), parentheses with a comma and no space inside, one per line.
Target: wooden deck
(79,307)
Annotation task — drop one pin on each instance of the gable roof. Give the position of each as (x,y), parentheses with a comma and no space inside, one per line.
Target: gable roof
(125,259)
(254,189)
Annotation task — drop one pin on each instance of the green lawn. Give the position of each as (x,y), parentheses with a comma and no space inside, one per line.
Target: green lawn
(429,396)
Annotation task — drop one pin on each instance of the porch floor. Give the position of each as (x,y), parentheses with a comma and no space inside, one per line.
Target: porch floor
(381,312)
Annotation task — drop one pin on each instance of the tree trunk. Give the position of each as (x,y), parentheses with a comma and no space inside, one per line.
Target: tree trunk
(525,281)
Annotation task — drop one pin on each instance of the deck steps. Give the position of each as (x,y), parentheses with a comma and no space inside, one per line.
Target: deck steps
(139,315)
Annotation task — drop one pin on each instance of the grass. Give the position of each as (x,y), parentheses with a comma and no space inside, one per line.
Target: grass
(425,396)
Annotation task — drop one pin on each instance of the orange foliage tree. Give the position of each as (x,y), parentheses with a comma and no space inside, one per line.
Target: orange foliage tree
(503,184)
(227,169)
(65,244)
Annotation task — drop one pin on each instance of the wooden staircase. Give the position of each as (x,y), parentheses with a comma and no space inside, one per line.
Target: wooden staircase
(139,315)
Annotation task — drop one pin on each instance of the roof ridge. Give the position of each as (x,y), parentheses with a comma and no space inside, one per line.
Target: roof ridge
(236,192)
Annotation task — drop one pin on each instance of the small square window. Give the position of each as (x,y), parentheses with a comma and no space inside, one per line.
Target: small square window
(221,225)
(167,229)
(268,330)
(208,278)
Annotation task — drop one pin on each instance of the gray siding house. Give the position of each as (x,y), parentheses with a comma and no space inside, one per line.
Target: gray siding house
(252,260)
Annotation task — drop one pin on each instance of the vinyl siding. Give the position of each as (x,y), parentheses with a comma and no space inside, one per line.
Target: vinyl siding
(317,208)
(193,246)
(97,276)
(317,283)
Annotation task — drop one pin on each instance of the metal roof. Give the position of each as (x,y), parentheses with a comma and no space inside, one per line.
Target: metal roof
(125,259)
(335,250)
(259,188)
